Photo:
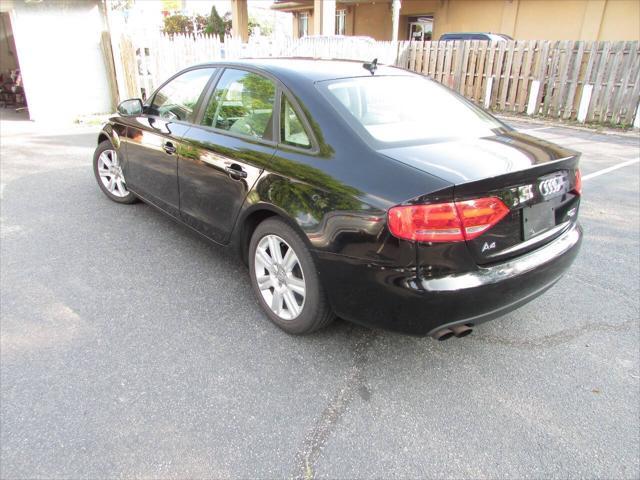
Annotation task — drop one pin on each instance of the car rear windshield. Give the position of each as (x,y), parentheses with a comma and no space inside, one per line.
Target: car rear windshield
(407,109)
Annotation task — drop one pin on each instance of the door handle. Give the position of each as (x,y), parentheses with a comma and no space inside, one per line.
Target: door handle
(169,148)
(235,171)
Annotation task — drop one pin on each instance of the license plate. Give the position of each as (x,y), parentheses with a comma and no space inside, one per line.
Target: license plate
(537,219)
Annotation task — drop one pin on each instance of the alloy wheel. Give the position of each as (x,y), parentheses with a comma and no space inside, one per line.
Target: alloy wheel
(110,172)
(279,277)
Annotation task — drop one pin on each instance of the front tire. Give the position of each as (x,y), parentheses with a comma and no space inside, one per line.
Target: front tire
(285,279)
(108,171)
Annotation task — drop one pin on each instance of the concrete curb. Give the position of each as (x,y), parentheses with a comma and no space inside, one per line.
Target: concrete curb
(632,133)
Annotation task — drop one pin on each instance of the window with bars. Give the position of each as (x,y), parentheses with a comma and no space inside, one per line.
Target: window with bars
(303,24)
(341,22)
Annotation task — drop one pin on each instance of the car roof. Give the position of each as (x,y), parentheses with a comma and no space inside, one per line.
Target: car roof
(309,69)
(493,36)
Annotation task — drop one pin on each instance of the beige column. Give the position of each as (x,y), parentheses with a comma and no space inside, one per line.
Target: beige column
(395,19)
(295,30)
(239,20)
(592,20)
(324,17)
(441,20)
(509,17)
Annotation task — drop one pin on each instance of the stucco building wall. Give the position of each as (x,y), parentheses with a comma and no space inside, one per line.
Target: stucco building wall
(522,19)
(373,21)
(621,18)
(61,59)
(537,19)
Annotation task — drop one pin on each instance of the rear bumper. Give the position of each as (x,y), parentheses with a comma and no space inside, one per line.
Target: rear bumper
(397,299)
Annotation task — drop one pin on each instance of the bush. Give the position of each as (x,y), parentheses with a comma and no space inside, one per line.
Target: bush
(178,24)
(214,24)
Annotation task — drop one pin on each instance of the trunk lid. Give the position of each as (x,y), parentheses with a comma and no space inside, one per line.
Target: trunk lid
(534,178)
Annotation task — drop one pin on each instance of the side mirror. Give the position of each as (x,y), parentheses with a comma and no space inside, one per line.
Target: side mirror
(130,107)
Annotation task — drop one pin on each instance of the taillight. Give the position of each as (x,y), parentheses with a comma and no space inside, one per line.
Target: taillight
(446,222)
(480,215)
(426,223)
(577,188)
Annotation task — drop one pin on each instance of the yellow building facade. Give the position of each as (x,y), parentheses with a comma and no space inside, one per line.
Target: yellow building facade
(521,19)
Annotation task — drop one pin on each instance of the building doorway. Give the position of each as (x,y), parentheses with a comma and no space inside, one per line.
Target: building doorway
(11,90)
(421,28)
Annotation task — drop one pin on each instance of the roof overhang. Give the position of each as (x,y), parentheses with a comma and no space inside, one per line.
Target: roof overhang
(296,5)
(362,1)
(292,6)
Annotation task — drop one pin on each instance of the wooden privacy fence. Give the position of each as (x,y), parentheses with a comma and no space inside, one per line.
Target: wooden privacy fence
(584,81)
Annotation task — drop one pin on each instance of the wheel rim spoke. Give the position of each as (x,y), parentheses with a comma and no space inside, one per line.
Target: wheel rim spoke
(276,302)
(105,158)
(122,187)
(265,260)
(289,261)
(274,249)
(264,282)
(296,285)
(292,304)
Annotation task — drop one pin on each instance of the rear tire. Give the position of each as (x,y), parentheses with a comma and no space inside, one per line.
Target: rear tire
(285,280)
(107,169)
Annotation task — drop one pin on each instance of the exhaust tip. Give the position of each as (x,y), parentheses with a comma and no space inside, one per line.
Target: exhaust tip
(442,335)
(461,330)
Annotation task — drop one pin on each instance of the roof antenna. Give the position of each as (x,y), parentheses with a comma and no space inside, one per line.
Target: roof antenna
(372,67)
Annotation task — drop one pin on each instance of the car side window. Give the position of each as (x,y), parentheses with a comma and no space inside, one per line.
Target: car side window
(291,128)
(178,98)
(242,103)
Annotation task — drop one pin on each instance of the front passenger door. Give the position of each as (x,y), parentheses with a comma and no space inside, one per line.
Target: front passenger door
(154,138)
(223,157)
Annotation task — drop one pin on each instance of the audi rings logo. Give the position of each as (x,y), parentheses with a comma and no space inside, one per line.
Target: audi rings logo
(550,186)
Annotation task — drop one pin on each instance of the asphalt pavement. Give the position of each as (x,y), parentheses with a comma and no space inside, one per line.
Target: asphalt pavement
(130,347)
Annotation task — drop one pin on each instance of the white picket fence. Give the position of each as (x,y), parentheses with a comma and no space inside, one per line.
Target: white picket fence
(584,81)
(143,63)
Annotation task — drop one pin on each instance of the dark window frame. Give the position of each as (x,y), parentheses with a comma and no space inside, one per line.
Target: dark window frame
(212,88)
(280,89)
(281,140)
(306,17)
(341,13)
(146,108)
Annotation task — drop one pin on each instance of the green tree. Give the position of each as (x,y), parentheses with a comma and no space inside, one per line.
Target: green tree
(264,28)
(216,25)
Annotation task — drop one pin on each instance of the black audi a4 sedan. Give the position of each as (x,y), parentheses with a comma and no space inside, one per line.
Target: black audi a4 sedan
(377,196)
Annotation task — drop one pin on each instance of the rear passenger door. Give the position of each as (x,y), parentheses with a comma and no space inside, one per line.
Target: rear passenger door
(224,155)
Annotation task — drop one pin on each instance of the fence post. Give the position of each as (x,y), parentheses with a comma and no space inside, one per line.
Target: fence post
(585,100)
(636,122)
(541,72)
(573,86)
(129,68)
(533,97)
(105,44)
(487,93)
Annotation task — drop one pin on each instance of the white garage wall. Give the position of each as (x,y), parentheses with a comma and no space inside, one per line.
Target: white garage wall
(62,64)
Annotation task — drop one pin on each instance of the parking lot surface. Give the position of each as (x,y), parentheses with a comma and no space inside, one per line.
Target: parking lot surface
(130,347)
